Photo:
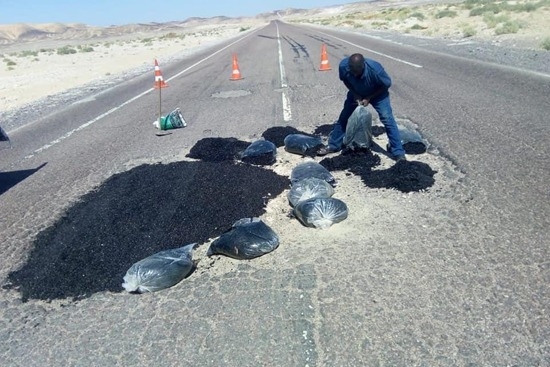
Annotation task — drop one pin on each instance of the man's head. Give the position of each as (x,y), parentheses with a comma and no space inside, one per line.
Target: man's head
(357,65)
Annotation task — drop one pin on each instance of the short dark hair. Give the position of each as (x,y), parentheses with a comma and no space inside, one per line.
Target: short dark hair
(356,63)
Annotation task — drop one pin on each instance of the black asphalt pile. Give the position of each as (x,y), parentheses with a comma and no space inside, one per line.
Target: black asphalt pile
(405,176)
(323,130)
(140,212)
(415,147)
(158,207)
(218,149)
(358,163)
(277,134)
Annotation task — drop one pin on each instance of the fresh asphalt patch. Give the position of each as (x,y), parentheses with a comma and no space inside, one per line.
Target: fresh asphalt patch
(155,207)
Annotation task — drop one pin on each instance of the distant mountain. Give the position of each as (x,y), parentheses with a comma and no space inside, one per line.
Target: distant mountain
(15,33)
(22,33)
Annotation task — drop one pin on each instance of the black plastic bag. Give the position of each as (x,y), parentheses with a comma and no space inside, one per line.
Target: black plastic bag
(311,169)
(412,141)
(248,238)
(159,271)
(309,188)
(303,144)
(320,212)
(260,152)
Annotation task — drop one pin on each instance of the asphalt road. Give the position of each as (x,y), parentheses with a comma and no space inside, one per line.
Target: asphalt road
(463,282)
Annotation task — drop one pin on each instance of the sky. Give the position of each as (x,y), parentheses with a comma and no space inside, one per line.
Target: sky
(118,12)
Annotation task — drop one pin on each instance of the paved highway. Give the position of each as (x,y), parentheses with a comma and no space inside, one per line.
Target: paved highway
(455,278)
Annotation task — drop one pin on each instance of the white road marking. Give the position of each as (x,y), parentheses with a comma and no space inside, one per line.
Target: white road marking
(287,112)
(374,52)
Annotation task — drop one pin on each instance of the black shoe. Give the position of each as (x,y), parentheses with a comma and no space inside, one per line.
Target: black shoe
(325,150)
(396,158)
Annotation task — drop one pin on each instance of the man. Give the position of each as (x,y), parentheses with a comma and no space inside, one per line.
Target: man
(367,83)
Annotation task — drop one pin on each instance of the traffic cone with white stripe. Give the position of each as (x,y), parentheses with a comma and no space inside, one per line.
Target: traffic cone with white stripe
(324,59)
(159,81)
(236,73)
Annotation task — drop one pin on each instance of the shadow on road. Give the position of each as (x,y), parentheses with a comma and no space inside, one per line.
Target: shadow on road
(10,179)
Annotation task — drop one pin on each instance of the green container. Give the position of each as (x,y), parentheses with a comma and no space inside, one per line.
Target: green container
(173,120)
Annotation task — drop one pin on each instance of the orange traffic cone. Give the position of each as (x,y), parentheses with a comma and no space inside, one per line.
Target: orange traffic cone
(324,59)
(159,81)
(236,74)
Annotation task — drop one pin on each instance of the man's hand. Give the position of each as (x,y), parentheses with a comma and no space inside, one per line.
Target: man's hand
(363,102)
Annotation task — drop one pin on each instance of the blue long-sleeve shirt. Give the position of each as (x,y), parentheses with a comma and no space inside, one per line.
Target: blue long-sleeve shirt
(374,77)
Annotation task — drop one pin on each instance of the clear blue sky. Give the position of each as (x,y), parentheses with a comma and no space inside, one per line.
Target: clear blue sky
(111,12)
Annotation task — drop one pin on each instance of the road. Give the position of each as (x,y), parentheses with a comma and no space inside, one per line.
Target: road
(460,277)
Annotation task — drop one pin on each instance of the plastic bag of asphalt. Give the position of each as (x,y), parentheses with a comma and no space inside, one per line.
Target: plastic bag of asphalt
(260,152)
(412,141)
(320,212)
(309,188)
(303,144)
(359,129)
(311,169)
(159,271)
(248,238)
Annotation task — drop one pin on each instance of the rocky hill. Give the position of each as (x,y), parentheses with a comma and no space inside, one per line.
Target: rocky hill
(13,33)
(21,32)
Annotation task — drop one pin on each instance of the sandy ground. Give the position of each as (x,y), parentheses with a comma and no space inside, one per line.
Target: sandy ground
(35,76)
(443,19)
